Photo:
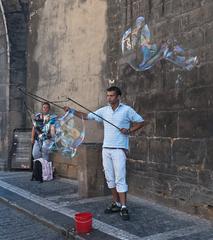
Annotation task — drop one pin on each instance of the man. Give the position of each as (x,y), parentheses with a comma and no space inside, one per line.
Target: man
(42,132)
(115,145)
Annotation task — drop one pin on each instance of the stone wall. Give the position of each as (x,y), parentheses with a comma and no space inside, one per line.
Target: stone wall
(67,43)
(171,160)
(4,89)
(67,54)
(16,20)
(74,50)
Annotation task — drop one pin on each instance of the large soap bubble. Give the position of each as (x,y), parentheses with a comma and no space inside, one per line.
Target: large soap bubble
(68,134)
(142,54)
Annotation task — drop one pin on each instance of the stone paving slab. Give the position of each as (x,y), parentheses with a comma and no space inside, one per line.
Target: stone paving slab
(14,225)
(58,201)
(145,220)
(45,189)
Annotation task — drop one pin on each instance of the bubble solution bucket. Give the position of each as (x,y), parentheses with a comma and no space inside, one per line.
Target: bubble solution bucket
(83,222)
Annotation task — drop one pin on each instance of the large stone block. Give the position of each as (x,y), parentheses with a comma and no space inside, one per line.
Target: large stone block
(206,179)
(160,150)
(90,171)
(3,60)
(206,74)
(182,191)
(189,5)
(18,63)
(177,7)
(3,91)
(135,177)
(17,105)
(17,119)
(209,32)
(150,124)
(3,125)
(3,105)
(139,148)
(209,158)
(193,39)
(200,97)
(207,10)
(14,92)
(196,124)
(191,19)
(64,165)
(3,75)
(201,197)
(187,174)
(166,124)
(17,76)
(11,6)
(161,101)
(16,22)
(188,152)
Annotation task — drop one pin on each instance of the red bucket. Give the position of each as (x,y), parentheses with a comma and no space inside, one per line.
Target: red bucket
(83,222)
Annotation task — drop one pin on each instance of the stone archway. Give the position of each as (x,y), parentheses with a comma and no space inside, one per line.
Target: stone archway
(4,89)
(13,42)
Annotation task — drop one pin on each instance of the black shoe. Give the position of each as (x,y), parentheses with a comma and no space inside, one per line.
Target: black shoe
(112,209)
(124,213)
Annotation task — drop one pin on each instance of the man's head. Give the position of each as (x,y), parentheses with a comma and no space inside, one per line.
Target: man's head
(113,95)
(45,107)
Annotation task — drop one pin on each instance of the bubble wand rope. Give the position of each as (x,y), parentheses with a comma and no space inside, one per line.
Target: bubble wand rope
(93,113)
(37,98)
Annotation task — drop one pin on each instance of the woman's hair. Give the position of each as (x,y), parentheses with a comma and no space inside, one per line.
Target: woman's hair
(46,103)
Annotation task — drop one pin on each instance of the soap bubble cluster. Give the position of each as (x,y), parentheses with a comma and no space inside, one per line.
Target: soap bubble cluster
(142,54)
(68,134)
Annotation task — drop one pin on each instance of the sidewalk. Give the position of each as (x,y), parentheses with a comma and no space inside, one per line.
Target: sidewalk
(55,204)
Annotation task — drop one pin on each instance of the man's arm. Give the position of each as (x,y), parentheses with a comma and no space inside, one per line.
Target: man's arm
(77,113)
(136,126)
(81,115)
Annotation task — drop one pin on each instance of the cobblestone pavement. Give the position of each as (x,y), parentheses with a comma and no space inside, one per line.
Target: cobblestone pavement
(15,225)
(56,203)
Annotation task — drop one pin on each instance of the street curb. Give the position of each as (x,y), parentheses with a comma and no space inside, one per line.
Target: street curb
(69,234)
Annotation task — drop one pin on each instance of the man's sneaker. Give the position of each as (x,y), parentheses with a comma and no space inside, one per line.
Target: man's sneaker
(112,209)
(124,213)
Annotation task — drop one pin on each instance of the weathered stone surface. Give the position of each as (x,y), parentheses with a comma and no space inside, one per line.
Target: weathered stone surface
(206,179)
(201,97)
(160,150)
(90,171)
(3,93)
(195,124)
(166,124)
(139,148)
(209,157)
(181,191)
(175,104)
(187,152)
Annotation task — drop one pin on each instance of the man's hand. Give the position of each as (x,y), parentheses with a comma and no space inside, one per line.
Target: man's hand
(125,131)
(66,108)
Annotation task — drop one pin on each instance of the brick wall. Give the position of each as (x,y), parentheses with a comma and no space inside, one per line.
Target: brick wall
(171,160)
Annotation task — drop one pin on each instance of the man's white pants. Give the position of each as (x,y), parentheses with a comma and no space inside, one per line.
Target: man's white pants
(114,163)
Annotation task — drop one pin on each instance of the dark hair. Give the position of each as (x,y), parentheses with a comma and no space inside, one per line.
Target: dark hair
(46,103)
(114,89)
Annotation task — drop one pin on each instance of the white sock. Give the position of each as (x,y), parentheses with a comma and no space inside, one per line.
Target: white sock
(123,206)
(118,204)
